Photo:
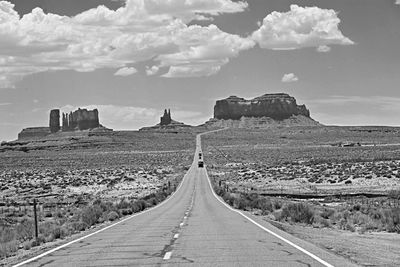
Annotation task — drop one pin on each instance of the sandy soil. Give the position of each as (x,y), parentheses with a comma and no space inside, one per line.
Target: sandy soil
(368,249)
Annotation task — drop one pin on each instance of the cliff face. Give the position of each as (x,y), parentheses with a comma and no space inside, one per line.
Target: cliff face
(276,106)
(81,119)
(33,133)
(54,122)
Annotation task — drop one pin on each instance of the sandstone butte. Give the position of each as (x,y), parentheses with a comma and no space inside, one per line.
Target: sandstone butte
(79,120)
(268,110)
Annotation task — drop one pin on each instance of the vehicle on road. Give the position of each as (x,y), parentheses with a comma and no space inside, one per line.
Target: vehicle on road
(201,164)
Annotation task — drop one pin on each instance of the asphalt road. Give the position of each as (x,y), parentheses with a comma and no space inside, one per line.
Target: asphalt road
(191,228)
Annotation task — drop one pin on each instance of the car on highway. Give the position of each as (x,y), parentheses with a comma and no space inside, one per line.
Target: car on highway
(201,164)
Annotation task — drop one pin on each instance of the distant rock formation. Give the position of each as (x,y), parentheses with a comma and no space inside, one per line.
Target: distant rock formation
(54,122)
(81,119)
(166,118)
(276,106)
(33,133)
(166,124)
(269,110)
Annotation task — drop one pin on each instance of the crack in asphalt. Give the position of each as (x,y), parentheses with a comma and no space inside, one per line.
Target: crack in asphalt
(177,230)
(302,262)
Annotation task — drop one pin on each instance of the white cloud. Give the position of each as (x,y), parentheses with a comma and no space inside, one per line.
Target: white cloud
(397,2)
(126,71)
(5,104)
(152,70)
(300,27)
(289,77)
(213,50)
(323,49)
(103,38)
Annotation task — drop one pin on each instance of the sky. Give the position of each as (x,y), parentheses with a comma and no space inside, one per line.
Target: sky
(131,59)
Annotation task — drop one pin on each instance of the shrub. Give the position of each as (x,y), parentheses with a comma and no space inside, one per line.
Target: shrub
(321,222)
(277,204)
(76,226)
(327,213)
(298,212)
(240,203)
(126,211)
(228,198)
(8,248)
(391,220)
(265,205)
(91,214)
(25,229)
(138,205)
(112,216)
(123,204)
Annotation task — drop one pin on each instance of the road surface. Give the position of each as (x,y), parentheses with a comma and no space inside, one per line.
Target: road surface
(192,228)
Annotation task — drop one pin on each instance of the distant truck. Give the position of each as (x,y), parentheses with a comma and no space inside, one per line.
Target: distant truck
(201,164)
(200,155)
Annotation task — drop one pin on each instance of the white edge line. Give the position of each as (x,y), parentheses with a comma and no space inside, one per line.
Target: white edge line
(267,230)
(103,229)
(167,255)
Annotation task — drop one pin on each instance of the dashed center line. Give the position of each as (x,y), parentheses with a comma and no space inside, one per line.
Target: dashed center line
(167,255)
(181,224)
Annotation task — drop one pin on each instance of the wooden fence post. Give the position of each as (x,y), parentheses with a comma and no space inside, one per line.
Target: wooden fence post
(36,221)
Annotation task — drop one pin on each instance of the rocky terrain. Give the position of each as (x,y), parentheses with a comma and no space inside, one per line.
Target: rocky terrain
(315,179)
(303,160)
(261,122)
(67,186)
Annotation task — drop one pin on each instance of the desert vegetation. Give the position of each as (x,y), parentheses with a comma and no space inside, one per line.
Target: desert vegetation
(82,181)
(17,229)
(377,214)
(275,172)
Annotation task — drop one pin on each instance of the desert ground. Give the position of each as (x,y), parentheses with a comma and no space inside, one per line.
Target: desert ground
(338,187)
(80,180)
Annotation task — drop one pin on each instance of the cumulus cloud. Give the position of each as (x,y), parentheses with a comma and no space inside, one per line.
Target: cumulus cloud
(323,49)
(126,71)
(156,30)
(152,70)
(300,27)
(289,77)
(397,2)
(213,50)
(103,38)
